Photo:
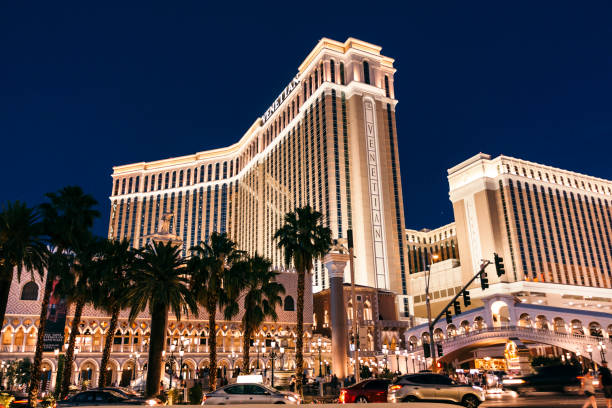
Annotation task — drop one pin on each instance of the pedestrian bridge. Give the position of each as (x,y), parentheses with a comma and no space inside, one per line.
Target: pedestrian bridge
(581,332)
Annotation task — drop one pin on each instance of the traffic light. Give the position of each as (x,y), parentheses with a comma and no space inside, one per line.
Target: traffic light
(439,349)
(499,265)
(449,316)
(484,280)
(426,350)
(349,238)
(457,307)
(466,298)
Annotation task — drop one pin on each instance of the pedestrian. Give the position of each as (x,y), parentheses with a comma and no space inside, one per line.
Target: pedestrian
(605,379)
(292,383)
(589,389)
(334,382)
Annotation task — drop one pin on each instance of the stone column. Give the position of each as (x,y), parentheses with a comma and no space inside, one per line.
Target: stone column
(335,264)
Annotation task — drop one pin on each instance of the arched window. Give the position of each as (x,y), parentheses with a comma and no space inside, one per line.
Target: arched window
(366,72)
(289,304)
(29,291)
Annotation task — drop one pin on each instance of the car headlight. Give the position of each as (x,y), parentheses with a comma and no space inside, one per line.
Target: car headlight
(513,381)
(479,389)
(151,402)
(290,398)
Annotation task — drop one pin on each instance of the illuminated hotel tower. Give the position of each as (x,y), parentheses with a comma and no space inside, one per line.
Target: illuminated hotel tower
(552,226)
(329,140)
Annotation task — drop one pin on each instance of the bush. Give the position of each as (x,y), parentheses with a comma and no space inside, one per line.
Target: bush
(175,396)
(195,394)
(6,399)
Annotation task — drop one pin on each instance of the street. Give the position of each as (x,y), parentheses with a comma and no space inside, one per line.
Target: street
(540,400)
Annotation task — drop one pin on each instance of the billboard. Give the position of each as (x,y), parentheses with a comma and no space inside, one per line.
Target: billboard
(56,321)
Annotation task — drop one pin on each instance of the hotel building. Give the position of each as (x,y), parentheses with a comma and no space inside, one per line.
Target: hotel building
(329,141)
(551,226)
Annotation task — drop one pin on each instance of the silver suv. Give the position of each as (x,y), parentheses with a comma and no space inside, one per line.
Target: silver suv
(433,387)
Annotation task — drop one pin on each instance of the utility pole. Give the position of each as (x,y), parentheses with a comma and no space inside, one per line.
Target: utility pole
(349,235)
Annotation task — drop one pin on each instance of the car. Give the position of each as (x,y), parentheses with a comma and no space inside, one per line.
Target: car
(249,393)
(126,392)
(103,397)
(434,387)
(557,378)
(371,390)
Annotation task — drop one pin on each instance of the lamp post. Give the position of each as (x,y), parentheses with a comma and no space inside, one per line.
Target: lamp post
(432,349)
(385,351)
(397,354)
(319,343)
(282,356)
(172,360)
(602,351)
(413,367)
(256,343)
(589,350)
(273,357)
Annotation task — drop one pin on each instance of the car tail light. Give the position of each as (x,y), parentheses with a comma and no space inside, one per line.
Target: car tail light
(395,387)
(203,398)
(342,397)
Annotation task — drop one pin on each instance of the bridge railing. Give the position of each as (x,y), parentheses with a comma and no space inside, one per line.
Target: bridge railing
(510,331)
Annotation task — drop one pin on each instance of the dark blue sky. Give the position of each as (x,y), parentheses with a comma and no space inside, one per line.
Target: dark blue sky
(86,87)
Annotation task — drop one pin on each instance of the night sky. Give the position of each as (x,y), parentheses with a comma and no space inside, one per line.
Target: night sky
(90,86)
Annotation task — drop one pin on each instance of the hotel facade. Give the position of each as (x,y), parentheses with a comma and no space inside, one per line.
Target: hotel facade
(329,141)
(551,226)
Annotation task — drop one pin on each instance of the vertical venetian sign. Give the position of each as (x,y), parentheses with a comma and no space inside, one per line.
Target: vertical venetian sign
(378,238)
(56,321)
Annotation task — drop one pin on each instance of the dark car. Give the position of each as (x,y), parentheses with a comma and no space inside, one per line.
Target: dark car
(126,392)
(373,390)
(103,397)
(559,378)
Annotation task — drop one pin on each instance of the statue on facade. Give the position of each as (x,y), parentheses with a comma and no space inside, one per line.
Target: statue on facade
(164,227)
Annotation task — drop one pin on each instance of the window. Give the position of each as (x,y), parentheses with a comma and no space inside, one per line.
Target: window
(342,73)
(29,291)
(289,304)
(387,92)
(366,72)
(236,389)
(332,70)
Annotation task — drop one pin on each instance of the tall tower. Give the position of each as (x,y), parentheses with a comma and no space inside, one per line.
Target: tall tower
(328,140)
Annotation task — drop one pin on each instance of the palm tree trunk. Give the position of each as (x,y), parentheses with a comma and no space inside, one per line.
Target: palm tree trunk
(299,342)
(108,343)
(34,387)
(159,322)
(212,342)
(5,289)
(74,331)
(246,347)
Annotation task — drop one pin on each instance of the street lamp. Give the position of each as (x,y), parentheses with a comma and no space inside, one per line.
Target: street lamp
(319,343)
(602,351)
(273,357)
(256,343)
(413,367)
(233,356)
(385,351)
(397,354)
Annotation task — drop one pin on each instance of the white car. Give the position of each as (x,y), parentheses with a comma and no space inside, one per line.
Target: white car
(249,393)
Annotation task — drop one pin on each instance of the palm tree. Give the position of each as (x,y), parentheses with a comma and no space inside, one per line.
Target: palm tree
(158,281)
(78,289)
(67,220)
(21,246)
(261,297)
(215,281)
(109,294)
(303,239)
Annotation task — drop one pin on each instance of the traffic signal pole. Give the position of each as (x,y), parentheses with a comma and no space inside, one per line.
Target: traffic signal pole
(483,266)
